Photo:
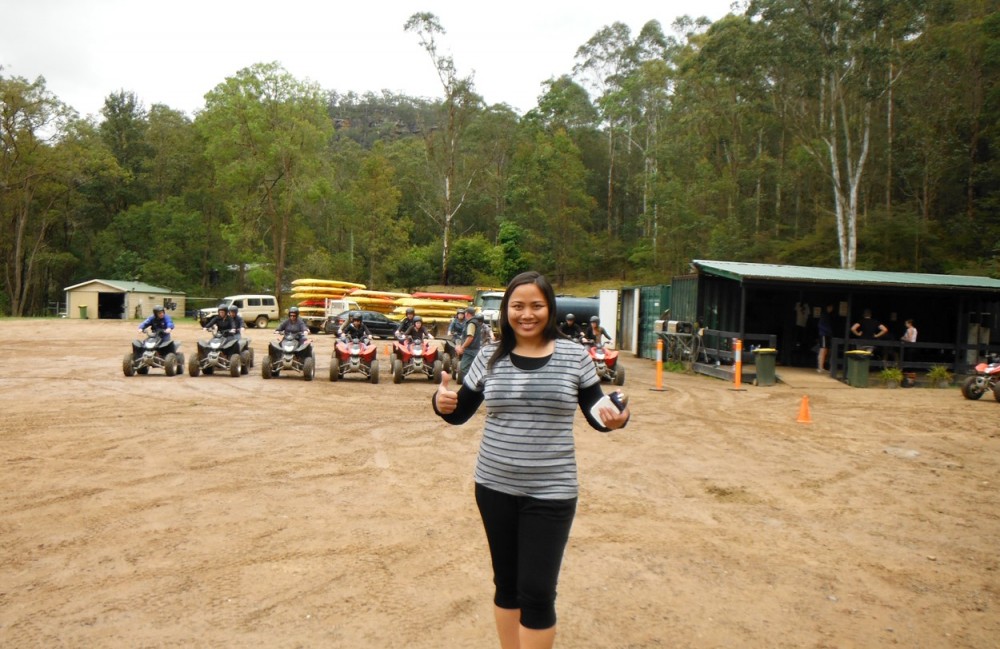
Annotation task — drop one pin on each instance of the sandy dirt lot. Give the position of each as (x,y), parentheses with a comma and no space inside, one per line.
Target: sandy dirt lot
(237,512)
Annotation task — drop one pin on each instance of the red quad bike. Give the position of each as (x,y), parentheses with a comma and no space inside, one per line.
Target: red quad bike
(987,377)
(420,357)
(354,356)
(606,363)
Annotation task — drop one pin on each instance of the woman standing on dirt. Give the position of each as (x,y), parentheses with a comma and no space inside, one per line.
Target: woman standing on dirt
(526,487)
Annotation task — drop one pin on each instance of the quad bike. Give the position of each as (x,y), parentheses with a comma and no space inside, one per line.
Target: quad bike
(410,356)
(606,362)
(293,352)
(354,356)
(224,352)
(154,351)
(987,377)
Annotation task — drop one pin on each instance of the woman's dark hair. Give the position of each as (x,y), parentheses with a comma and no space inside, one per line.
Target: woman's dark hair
(549,332)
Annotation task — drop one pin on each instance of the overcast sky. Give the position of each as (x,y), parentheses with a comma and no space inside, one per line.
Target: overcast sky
(175,52)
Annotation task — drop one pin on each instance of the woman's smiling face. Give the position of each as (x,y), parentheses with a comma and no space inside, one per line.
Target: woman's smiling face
(527,312)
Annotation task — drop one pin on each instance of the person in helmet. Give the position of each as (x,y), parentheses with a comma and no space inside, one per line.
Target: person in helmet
(293,324)
(417,331)
(457,326)
(570,329)
(405,323)
(355,328)
(595,333)
(160,323)
(236,321)
(220,320)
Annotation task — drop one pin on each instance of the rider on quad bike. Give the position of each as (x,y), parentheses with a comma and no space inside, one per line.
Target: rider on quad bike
(158,350)
(416,352)
(293,352)
(570,329)
(605,360)
(226,350)
(354,351)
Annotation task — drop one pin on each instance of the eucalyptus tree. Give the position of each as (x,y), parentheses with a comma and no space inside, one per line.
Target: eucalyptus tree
(550,203)
(266,133)
(604,62)
(374,203)
(450,180)
(37,174)
(832,56)
(123,130)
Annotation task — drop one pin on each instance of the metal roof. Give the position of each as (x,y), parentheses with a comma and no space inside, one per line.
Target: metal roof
(126,286)
(746,271)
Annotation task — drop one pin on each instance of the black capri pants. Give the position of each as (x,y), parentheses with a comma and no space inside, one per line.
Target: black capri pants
(527,537)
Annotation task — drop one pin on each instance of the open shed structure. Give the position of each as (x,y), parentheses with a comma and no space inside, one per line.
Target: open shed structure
(957,316)
(120,300)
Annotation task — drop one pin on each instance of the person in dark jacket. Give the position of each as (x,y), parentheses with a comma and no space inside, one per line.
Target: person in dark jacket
(570,329)
(293,324)
(417,332)
(355,328)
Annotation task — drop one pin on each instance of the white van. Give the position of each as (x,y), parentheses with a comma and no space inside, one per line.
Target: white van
(256,310)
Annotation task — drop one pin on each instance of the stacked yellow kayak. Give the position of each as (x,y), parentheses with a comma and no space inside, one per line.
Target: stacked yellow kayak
(434,308)
(322,289)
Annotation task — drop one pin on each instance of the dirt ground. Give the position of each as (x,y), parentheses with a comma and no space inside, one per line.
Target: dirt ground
(237,512)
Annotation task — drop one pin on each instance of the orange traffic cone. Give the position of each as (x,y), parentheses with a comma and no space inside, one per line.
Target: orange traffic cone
(804,417)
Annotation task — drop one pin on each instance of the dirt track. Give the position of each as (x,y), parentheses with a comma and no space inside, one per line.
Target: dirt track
(238,512)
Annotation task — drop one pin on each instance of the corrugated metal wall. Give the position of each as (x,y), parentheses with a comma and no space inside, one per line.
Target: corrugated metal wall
(653,301)
(684,298)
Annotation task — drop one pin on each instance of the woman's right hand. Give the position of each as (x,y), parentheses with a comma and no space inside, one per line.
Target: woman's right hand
(445,400)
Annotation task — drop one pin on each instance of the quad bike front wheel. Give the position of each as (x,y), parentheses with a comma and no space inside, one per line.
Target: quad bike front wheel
(127,368)
(265,369)
(974,387)
(619,376)
(235,365)
(397,371)
(373,374)
(193,367)
(170,364)
(334,368)
(309,368)
(436,370)
(179,369)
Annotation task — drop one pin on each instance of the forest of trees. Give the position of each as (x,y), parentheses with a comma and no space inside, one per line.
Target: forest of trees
(841,133)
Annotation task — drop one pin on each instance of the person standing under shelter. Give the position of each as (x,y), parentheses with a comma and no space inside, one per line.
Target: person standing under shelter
(909,336)
(825,331)
(868,328)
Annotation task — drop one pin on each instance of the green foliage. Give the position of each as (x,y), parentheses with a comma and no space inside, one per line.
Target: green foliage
(470,259)
(510,261)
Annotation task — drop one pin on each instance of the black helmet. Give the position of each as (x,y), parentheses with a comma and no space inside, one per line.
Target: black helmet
(409,310)
(594,319)
(417,319)
(158,309)
(356,315)
(221,307)
(233,308)
(570,316)
(293,311)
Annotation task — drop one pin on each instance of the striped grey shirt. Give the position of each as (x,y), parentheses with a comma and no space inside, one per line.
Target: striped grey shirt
(527,446)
